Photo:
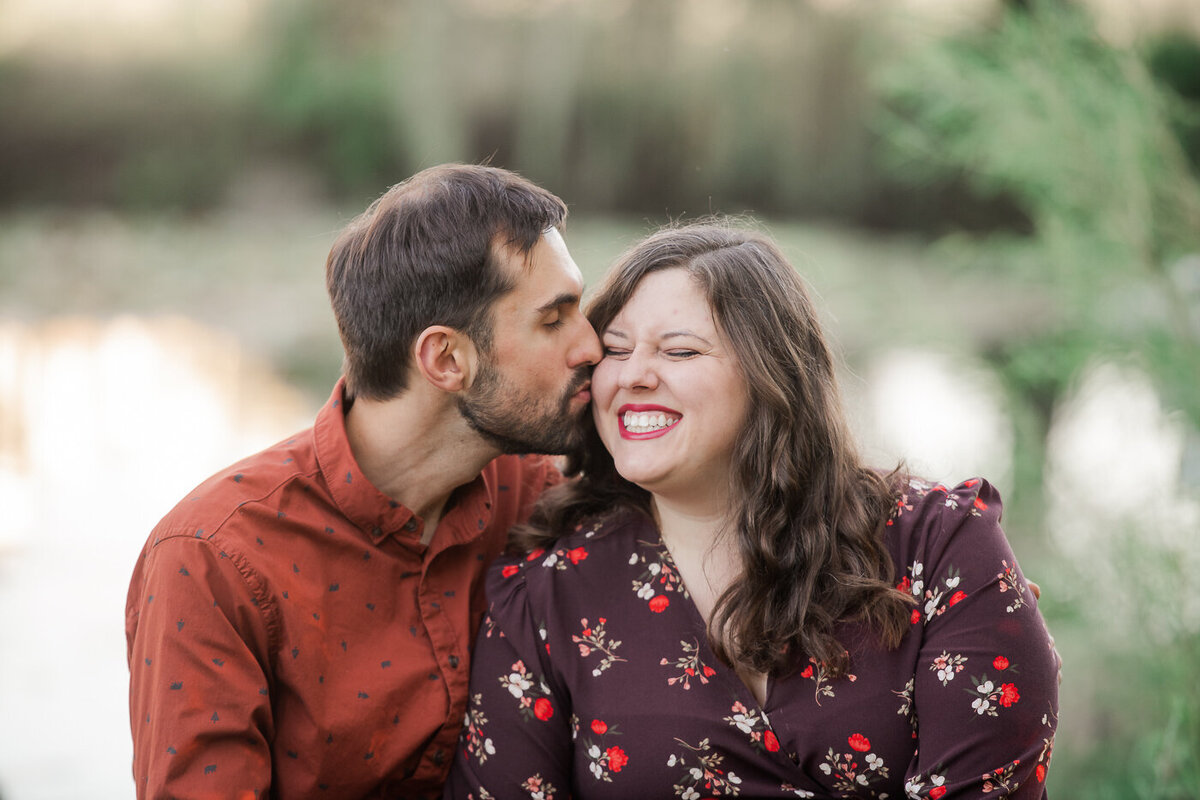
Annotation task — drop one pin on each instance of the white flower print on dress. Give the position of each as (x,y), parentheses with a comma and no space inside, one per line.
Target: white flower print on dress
(532,695)
(948,665)
(604,759)
(659,579)
(848,775)
(754,723)
(703,775)
(990,696)
(473,723)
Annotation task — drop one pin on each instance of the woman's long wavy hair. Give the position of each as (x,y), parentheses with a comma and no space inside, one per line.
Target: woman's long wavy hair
(808,517)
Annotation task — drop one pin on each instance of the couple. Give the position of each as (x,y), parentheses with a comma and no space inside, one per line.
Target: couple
(725,602)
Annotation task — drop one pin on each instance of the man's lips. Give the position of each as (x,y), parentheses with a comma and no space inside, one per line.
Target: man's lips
(584,393)
(654,414)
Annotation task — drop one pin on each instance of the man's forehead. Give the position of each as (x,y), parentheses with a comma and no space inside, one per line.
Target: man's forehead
(546,272)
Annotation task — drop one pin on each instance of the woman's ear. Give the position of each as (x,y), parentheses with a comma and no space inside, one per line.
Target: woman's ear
(446,357)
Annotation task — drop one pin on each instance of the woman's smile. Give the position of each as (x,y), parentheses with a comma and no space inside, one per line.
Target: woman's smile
(641,421)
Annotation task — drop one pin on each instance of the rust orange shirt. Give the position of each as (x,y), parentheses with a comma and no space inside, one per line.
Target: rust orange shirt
(289,635)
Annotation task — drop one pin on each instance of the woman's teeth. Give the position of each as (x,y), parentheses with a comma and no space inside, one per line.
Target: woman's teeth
(641,422)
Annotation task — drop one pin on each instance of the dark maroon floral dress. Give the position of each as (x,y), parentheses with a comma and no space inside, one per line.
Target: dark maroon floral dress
(592,678)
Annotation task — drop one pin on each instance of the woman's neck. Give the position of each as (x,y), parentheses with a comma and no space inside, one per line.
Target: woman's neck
(703,547)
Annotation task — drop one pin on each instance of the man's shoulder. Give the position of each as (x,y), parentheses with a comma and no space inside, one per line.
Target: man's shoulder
(215,501)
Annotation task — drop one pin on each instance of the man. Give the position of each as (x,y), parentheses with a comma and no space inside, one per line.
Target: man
(299,625)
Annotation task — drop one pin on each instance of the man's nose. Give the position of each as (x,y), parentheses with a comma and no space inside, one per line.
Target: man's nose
(586,350)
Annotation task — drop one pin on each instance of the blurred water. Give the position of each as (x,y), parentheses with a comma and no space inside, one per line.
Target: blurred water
(103,427)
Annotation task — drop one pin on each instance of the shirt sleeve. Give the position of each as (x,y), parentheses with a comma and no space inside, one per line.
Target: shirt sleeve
(517,733)
(199,696)
(985,690)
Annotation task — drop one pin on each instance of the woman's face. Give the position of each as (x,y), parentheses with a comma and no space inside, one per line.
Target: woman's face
(668,397)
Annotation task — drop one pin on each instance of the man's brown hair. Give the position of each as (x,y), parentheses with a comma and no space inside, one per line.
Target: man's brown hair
(425,253)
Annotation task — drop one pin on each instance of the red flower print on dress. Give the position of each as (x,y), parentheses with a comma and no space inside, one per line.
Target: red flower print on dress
(594,639)
(754,723)
(510,570)
(915,617)
(820,676)
(957,598)
(989,697)
(689,665)
(859,742)
(530,692)
(1000,663)
(937,791)
(599,727)
(616,758)
(850,774)
(659,576)
(474,721)
(1040,772)
(534,555)
(543,709)
(563,559)
(1001,778)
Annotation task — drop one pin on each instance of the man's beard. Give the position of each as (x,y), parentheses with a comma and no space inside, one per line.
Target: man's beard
(517,422)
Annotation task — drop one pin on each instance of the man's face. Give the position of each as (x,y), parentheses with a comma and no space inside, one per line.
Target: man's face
(532,384)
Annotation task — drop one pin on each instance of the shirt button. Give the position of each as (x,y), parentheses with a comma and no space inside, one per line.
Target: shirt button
(411,525)
(454,662)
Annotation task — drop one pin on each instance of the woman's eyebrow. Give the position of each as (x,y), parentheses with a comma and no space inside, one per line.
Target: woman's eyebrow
(688,334)
(619,334)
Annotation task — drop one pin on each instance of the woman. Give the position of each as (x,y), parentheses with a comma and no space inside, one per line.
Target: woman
(728,602)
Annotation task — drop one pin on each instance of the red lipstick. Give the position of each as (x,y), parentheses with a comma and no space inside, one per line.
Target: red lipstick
(672,415)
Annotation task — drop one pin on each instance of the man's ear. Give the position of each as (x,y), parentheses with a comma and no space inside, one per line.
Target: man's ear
(445,357)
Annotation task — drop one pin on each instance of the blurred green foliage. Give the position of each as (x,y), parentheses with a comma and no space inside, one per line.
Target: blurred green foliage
(1079,133)
(660,107)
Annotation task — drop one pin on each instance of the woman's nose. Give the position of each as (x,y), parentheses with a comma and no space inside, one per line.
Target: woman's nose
(638,371)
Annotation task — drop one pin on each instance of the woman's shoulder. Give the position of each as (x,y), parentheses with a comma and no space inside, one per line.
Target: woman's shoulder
(919,502)
(927,517)
(592,549)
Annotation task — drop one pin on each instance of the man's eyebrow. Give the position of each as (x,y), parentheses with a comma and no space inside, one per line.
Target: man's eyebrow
(563,299)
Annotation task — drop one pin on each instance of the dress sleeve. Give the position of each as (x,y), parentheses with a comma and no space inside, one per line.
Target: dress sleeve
(198,697)
(985,688)
(516,740)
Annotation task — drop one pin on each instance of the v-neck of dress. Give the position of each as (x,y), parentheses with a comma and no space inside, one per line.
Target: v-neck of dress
(728,674)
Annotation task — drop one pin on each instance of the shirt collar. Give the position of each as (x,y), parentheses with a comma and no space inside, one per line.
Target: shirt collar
(378,515)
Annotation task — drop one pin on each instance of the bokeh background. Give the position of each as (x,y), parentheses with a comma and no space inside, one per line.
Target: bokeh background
(997,203)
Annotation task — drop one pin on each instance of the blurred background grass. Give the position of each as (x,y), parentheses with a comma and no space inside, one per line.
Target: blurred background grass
(997,202)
